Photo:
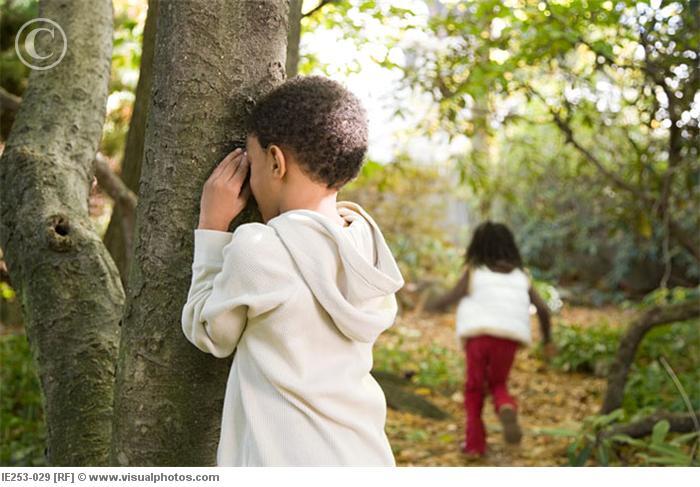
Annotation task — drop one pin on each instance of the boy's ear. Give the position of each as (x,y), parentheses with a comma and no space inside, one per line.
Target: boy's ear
(279,162)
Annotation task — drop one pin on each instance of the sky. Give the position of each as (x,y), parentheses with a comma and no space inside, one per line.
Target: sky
(380,89)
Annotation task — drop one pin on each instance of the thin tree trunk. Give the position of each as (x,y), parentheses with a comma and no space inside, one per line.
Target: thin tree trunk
(212,61)
(67,282)
(294,37)
(116,238)
(629,343)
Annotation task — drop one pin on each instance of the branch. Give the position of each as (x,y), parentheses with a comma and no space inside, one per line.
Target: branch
(8,101)
(568,132)
(679,423)
(658,315)
(120,193)
(685,239)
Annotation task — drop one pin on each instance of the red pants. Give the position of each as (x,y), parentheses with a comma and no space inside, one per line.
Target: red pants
(489,360)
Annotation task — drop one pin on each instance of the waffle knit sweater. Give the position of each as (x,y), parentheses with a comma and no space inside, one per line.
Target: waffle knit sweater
(301,301)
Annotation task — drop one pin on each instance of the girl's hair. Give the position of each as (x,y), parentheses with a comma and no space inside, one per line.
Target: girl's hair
(493,245)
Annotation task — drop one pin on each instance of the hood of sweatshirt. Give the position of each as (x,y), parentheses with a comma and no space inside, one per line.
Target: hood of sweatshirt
(350,270)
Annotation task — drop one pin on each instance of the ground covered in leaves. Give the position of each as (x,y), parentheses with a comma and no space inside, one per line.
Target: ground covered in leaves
(548,398)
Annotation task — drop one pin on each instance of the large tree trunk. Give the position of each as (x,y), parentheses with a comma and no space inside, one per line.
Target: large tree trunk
(629,343)
(212,60)
(67,282)
(293,37)
(116,238)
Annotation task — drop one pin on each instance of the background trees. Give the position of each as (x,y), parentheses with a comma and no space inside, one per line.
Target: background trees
(575,121)
(69,287)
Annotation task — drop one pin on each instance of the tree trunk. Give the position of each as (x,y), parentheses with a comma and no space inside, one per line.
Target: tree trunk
(619,370)
(294,37)
(67,282)
(115,238)
(212,61)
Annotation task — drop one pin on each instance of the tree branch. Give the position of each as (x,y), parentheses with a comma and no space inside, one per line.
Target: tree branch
(568,132)
(8,101)
(679,423)
(658,315)
(685,239)
(120,193)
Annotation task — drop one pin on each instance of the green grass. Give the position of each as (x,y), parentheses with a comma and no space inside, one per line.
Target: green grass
(432,366)
(22,431)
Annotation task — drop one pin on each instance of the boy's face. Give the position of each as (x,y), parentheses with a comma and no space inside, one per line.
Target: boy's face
(265,178)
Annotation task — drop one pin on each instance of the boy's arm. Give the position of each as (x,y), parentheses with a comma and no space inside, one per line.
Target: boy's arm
(543,315)
(230,284)
(460,290)
(204,330)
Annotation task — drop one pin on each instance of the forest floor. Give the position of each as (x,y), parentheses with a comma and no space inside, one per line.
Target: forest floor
(548,399)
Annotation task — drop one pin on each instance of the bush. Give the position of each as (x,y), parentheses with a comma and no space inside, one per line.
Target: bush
(430,366)
(591,349)
(587,349)
(22,431)
(408,201)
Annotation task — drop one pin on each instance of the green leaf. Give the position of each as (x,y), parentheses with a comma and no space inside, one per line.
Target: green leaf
(558,432)
(686,438)
(583,456)
(660,431)
(603,457)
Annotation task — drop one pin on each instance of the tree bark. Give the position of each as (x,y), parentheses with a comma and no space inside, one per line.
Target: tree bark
(212,61)
(293,37)
(116,237)
(656,316)
(67,282)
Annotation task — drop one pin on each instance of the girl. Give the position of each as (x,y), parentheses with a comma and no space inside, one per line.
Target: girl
(493,321)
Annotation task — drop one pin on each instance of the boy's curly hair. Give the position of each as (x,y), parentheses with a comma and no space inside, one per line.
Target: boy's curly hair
(322,123)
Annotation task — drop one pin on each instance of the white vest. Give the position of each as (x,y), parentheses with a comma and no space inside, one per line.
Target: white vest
(498,304)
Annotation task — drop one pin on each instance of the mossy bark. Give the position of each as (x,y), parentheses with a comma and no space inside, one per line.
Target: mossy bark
(212,61)
(68,285)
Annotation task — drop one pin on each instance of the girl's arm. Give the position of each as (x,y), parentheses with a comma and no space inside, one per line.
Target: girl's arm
(460,290)
(543,314)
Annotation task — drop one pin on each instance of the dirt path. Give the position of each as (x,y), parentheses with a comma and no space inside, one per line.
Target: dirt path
(548,399)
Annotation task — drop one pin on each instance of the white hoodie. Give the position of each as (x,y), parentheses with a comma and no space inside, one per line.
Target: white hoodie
(301,300)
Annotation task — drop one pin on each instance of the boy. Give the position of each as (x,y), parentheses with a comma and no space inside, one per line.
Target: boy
(301,298)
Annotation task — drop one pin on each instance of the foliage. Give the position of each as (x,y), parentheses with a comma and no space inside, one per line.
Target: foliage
(13,74)
(585,348)
(608,88)
(129,21)
(662,449)
(407,200)
(427,365)
(22,430)
(590,443)
(591,349)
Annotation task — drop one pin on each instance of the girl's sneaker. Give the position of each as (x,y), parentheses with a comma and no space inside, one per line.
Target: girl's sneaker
(470,454)
(509,419)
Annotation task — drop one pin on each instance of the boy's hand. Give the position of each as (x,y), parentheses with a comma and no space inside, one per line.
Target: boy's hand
(224,195)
